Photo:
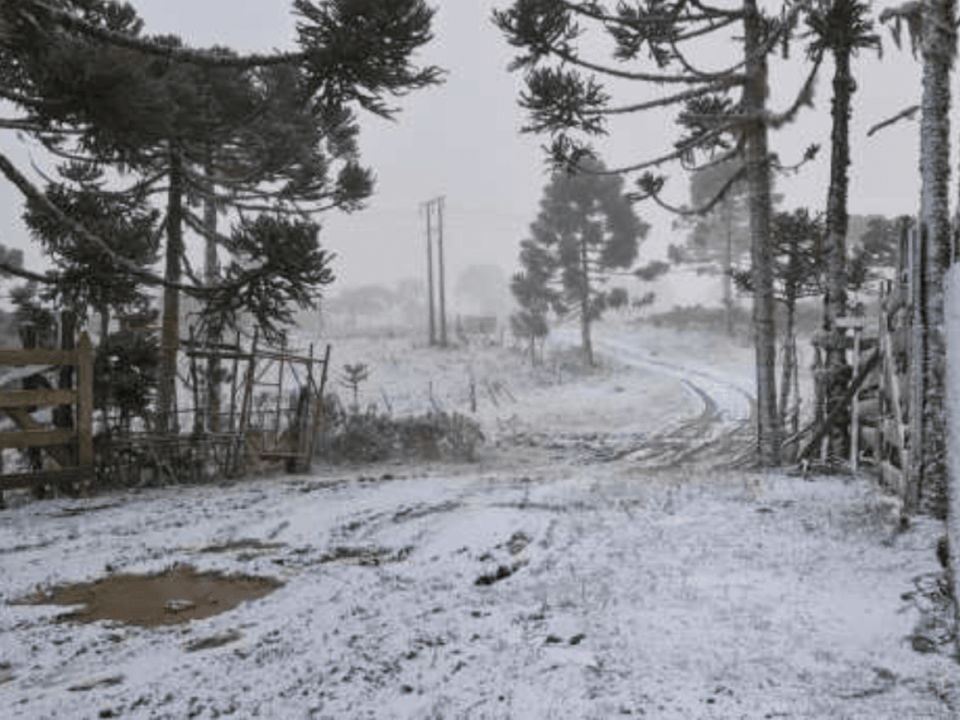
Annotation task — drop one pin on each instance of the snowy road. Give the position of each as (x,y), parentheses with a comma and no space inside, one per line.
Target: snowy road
(725,394)
(517,588)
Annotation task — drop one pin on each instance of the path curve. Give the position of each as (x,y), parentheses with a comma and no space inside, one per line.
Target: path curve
(722,429)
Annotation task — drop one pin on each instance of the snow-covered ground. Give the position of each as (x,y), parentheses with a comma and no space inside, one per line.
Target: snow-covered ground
(539,582)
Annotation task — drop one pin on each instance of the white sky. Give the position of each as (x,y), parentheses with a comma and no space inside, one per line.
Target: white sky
(462,140)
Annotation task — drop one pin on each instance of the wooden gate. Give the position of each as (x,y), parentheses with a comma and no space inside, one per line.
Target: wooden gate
(70,448)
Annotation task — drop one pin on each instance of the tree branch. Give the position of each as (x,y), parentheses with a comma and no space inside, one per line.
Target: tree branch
(670,99)
(29,191)
(678,154)
(50,278)
(739,175)
(624,75)
(906,114)
(199,57)
(804,97)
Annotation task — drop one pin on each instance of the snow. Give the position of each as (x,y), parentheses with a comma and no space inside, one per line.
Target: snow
(696,593)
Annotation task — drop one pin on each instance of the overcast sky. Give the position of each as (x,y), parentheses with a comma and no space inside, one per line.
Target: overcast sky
(461,140)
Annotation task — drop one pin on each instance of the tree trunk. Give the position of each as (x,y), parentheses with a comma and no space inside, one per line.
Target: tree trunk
(170,338)
(758,181)
(952,322)
(786,369)
(211,272)
(727,268)
(63,414)
(837,376)
(938,48)
(585,343)
(104,324)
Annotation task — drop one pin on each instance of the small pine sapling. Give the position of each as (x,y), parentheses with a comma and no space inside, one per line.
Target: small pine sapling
(353,376)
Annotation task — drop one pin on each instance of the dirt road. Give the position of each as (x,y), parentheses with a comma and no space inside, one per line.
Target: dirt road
(537,583)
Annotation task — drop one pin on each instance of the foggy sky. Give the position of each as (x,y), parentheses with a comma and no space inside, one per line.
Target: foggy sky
(461,140)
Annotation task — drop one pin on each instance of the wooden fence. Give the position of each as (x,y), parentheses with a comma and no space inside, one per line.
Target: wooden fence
(70,448)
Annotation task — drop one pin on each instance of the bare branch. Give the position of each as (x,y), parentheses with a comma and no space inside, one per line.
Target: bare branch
(804,97)
(50,278)
(706,30)
(669,99)
(20,125)
(907,114)
(688,66)
(624,75)
(704,209)
(28,190)
(682,150)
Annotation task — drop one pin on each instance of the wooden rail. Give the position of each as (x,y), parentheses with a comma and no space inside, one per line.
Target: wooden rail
(70,448)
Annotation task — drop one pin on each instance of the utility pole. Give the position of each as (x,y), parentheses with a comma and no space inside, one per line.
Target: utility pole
(443,310)
(433,328)
(428,206)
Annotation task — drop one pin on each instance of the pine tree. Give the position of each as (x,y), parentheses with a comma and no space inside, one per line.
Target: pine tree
(840,28)
(564,98)
(718,240)
(798,272)
(530,320)
(254,133)
(586,229)
(87,280)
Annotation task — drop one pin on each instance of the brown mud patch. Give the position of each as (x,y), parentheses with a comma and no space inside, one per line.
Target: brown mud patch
(174,596)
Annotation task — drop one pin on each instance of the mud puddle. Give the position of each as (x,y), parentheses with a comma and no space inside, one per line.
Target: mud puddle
(175,596)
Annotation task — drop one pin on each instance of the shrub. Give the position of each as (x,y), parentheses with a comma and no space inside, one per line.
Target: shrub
(374,436)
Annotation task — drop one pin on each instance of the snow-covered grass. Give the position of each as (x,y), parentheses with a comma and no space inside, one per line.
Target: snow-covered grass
(531,584)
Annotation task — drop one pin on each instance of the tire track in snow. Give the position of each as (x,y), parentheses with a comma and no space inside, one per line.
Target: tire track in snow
(721,432)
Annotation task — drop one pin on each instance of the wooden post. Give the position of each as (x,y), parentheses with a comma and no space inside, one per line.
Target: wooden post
(916,260)
(305,412)
(85,359)
(247,395)
(276,425)
(896,408)
(323,375)
(855,407)
(824,426)
(197,410)
(233,384)
(318,416)
(884,393)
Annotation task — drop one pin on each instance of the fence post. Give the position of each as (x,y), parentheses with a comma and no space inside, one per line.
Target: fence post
(85,359)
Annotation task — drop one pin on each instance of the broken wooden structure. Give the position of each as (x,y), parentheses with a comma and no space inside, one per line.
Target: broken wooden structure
(279,428)
(240,433)
(268,419)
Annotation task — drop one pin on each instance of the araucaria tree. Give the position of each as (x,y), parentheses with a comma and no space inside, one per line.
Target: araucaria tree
(932,28)
(798,271)
(271,135)
(565,98)
(722,236)
(586,229)
(840,28)
(529,321)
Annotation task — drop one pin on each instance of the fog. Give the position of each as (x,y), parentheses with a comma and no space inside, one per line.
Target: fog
(461,141)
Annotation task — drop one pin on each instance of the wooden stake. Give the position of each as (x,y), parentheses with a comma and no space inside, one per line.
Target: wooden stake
(855,407)
(85,359)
